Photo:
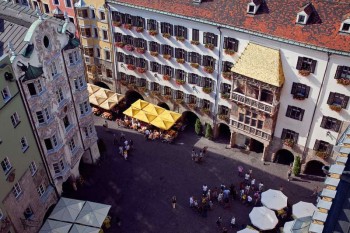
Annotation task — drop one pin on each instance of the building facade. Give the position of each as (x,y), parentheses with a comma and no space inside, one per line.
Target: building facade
(27,190)
(288,92)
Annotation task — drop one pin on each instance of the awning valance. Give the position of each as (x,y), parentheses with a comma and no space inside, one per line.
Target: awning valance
(260,63)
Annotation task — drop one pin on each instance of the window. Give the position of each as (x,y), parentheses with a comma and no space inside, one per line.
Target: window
(95,32)
(104,34)
(43,116)
(102,15)
(71,144)
(118,37)
(128,39)
(181,31)
(28,213)
(167,70)
(56,2)
(129,59)
(99,69)
(140,43)
(154,86)
(107,55)
(89,52)
(156,67)
(195,35)
(301,19)
(15,119)
(84,108)
(180,54)
(208,61)
(226,66)
(250,118)
(141,82)
(92,14)
(330,123)
(98,53)
(342,72)
(35,88)
(71,19)
(180,74)
(190,99)
(345,27)
(139,22)
(5,93)
(192,78)
(68,3)
(127,19)
(51,143)
(88,130)
(66,122)
(79,82)
(16,190)
(73,57)
(154,47)
(140,62)
(166,28)
(195,58)
(251,9)
(210,38)
(338,99)
(82,13)
(307,64)
(120,57)
(58,167)
(24,144)
(225,88)
(166,91)
(32,168)
(6,165)
(53,69)
(109,73)
(295,113)
(231,44)
(86,32)
(323,146)
(117,16)
(59,95)
(300,91)
(167,50)
(223,110)
(41,190)
(289,134)
(152,25)
(46,8)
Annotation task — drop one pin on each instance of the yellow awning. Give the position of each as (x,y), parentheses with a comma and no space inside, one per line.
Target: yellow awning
(108,104)
(162,124)
(260,63)
(145,117)
(154,109)
(96,100)
(131,112)
(170,116)
(140,104)
(101,93)
(92,88)
(116,97)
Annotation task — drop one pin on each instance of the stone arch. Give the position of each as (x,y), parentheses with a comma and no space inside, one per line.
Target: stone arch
(256,146)
(284,156)
(189,118)
(223,132)
(163,105)
(314,167)
(131,96)
(102,84)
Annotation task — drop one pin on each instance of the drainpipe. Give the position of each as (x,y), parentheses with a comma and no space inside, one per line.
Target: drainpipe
(36,135)
(316,106)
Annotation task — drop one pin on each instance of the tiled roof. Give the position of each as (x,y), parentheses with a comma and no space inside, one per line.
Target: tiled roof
(260,63)
(275,17)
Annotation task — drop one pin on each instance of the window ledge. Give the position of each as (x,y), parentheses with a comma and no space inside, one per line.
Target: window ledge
(25,149)
(15,126)
(54,150)
(46,194)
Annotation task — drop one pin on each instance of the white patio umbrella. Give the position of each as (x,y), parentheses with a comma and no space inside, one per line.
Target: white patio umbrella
(67,209)
(287,228)
(303,209)
(274,199)
(83,229)
(93,214)
(263,218)
(248,230)
(300,225)
(53,226)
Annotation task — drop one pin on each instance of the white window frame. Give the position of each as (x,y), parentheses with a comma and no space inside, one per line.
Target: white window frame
(342,25)
(72,145)
(7,164)
(45,114)
(99,15)
(15,119)
(48,7)
(60,167)
(17,190)
(98,52)
(69,122)
(73,57)
(54,142)
(59,95)
(103,37)
(84,108)
(53,2)
(53,69)
(88,131)
(90,13)
(79,83)
(94,32)
(24,144)
(33,168)
(71,3)
(6,94)
(41,190)
(37,86)
(105,51)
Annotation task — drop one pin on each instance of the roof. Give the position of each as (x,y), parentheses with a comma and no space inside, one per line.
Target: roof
(274,18)
(32,72)
(57,11)
(72,43)
(260,63)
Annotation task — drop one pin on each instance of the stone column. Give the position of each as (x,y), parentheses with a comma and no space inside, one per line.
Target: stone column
(265,155)
(233,138)
(216,130)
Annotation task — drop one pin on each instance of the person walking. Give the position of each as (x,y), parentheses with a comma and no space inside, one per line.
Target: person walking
(218,222)
(240,171)
(191,202)
(173,201)
(289,174)
(233,222)
(193,154)
(315,192)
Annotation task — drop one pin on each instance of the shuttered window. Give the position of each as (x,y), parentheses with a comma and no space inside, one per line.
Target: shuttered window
(118,37)
(226,66)
(168,70)
(300,90)
(210,38)
(138,21)
(154,47)
(192,78)
(342,72)
(338,99)
(195,34)
(180,31)
(323,146)
(231,44)
(225,88)
(128,39)
(181,54)
(117,16)
(142,63)
(290,134)
(167,50)
(208,61)
(194,57)
(152,25)
(129,59)
(156,67)
(120,57)
(180,74)
(140,43)
(330,123)
(295,113)
(166,28)
(128,19)
(305,63)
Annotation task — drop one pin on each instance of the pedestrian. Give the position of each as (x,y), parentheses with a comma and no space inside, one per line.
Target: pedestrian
(126,142)
(105,125)
(246,178)
(115,139)
(220,197)
(240,171)
(289,174)
(131,143)
(222,187)
(315,192)
(218,222)
(173,201)
(261,187)
(191,202)
(205,189)
(250,172)
(281,188)
(121,150)
(233,222)
(125,153)
(250,200)
(193,154)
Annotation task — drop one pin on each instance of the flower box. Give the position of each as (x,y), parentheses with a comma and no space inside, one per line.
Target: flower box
(225,96)
(209,69)
(229,51)
(128,26)
(139,29)
(207,90)
(180,82)
(140,50)
(153,32)
(304,73)
(224,117)
(154,54)
(180,38)
(322,154)
(179,101)
(167,56)
(180,60)
(141,89)
(131,86)
(206,111)
(166,77)
(192,105)
(155,93)
(336,108)
(209,46)
(119,44)
(227,75)
(129,47)
(117,23)
(130,67)
(124,82)
(298,97)
(288,142)
(195,42)
(166,35)
(167,97)
(141,70)
(343,81)
(195,65)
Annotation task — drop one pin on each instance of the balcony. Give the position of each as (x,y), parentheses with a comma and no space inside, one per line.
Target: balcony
(250,130)
(254,103)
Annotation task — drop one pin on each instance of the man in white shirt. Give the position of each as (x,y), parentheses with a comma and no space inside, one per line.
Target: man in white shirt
(205,189)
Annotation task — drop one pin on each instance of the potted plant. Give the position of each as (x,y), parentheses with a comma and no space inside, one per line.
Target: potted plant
(209,46)
(225,96)
(336,108)
(117,23)
(191,105)
(227,75)
(166,77)
(141,89)
(154,53)
(119,44)
(153,32)
(297,166)
(224,117)
(180,81)
(322,154)
(298,96)
(180,60)
(209,132)
(131,86)
(206,110)
(129,47)
(209,69)
(206,89)
(130,67)
(167,56)
(195,42)
(167,97)
(195,65)
(229,51)
(343,81)
(180,38)
(140,50)
(141,70)
(124,82)
(128,26)
(139,29)
(198,127)
(155,93)
(179,101)
(288,142)
(166,35)
(304,73)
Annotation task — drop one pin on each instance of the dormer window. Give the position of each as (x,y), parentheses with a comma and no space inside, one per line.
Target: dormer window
(251,9)
(301,19)
(253,6)
(304,14)
(345,27)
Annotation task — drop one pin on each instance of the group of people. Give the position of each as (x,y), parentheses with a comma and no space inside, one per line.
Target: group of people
(124,145)
(198,157)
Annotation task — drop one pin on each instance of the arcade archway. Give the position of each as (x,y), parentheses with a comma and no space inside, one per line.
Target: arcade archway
(131,96)
(163,105)
(189,118)
(101,84)
(284,156)
(314,168)
(224,132)
(256,146)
